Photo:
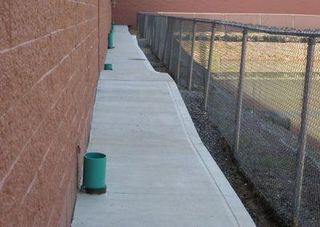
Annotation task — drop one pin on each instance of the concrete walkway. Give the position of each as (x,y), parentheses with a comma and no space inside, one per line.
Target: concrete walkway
(159,173)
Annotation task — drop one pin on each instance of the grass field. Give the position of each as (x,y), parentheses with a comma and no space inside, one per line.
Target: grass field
(274,76)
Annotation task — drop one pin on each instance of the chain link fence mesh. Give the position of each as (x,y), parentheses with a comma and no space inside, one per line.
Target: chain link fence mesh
(268,101)
(201,55)
(272,106)
(310,207)
(222,97)
(185,43)
(176,49)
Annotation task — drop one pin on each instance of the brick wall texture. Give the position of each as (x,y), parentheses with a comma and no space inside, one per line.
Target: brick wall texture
(50,55)
(125,11)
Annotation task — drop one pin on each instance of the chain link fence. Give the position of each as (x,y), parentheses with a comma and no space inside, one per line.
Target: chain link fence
(261,87)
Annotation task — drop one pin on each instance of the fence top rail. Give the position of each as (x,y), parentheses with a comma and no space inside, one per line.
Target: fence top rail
(250,27)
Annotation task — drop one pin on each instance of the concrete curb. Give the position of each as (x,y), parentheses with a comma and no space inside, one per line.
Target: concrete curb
(240,213)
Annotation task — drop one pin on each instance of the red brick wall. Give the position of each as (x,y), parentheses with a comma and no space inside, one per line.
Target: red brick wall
(50,55)
(125,11)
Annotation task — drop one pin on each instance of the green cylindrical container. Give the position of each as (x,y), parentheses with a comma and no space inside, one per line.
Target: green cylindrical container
(110,40)
(107,67)
(112,26)
(94,173)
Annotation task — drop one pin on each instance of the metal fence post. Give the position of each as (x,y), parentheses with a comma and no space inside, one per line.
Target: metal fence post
(179,54)
(207,82)
(152,33)
(137,22)
(171,47)
(303,135)
(145,26)
(147,29)
(145,35)
(155,26)
(165,28)
(191,55)
(160,37)
(240,92)
(170,43)
(164,52)
(150,30)
(157,35)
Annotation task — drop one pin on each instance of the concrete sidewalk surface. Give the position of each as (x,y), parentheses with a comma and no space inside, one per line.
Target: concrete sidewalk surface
(158,172)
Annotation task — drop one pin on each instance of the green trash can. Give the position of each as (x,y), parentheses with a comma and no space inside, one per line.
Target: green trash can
(107,66)
(110,40)
(112,26)
(94,173)
(110,37)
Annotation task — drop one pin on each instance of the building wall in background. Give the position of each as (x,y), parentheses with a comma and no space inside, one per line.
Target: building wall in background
(125,11)
(50,55)
(297,21)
